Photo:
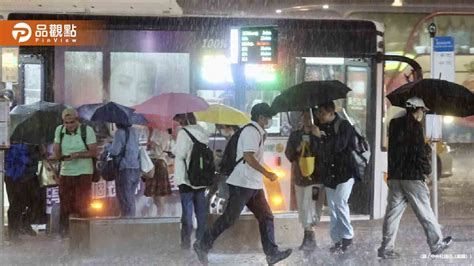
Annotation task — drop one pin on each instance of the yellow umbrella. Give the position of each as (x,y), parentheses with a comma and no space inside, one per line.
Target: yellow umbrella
(223,114)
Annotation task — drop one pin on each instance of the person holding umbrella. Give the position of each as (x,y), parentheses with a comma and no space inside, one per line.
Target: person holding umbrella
(408,168)
(303,143)
(75,154)
(125,147)
(337,171)
(192,197)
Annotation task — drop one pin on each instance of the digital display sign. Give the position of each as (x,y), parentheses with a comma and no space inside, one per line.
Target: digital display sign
(258,45)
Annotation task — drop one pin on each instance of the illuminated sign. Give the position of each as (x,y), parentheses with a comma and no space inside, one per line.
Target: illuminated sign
(258,45)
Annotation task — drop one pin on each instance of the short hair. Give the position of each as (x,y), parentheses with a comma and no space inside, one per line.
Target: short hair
(69,112)
(328,107)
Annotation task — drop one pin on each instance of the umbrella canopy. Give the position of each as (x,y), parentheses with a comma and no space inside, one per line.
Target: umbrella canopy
(160,122)
(440,96)
(112,112)
(87,110)
(171,104)
(309,94)
(224,115)
(35,123)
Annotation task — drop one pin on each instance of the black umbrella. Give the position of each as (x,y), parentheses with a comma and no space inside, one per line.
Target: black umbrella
(112,112)
(440,96)
(35,123)
(309,94)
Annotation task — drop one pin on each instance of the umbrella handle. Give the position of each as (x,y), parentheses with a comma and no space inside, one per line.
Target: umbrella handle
(311,115)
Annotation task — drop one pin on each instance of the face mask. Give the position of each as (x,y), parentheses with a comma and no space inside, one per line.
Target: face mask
(269,124)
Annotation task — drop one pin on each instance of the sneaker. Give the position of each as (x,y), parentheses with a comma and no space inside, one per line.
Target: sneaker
(443,246)
(201,253)
(278,256)
(387,254)
(336,248)
(346,243)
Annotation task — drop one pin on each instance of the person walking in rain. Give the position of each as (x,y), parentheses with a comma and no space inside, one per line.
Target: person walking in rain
(337,171)
(75,154)
(246,189)
(408,168)
(191,197)
(125,148)
(303,143)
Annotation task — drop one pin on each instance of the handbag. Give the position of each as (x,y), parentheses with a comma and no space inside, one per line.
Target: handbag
(146,165)
(306,163)
(46,174)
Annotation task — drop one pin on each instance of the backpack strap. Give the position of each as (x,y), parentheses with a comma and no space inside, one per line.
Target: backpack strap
(84,135)
(191,136)
(259,144)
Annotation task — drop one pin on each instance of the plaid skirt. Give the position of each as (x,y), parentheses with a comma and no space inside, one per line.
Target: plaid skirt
(160,184)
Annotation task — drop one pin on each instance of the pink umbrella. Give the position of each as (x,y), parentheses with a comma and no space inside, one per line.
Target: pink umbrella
(171,104)
(160,122)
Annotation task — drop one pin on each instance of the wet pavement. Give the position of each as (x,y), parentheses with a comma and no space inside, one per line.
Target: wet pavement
(456,218)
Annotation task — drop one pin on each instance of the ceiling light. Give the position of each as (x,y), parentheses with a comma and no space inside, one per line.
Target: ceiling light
(397,3)
(325,6)
(278,11)
(304,9)
(297,7)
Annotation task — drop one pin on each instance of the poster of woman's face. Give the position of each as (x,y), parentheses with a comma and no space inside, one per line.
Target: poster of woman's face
(136,77)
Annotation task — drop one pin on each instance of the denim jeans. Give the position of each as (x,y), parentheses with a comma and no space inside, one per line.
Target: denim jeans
(416,193)
(255,200)
(196,200)
(125,185)
(341,226)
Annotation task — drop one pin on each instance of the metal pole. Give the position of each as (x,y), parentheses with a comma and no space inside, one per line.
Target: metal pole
(434,170)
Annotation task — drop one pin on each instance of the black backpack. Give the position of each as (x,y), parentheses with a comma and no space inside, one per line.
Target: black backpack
(229,158)
(360,151)
(96,173)
(201,168)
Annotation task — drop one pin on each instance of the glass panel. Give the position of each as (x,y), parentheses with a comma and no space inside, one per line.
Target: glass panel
(33,81)
(357,80)
(83,78)
(135,77)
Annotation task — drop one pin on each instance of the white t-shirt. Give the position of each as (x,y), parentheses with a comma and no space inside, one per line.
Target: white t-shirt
(250,140)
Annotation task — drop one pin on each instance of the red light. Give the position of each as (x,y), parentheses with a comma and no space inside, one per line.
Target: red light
(277,161)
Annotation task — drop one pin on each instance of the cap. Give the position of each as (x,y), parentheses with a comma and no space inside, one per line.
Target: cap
(416,102)
(69,112)
(262,109)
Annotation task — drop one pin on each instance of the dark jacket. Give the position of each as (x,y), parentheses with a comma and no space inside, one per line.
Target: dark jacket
(334,153)
(408,155)
(293,155)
